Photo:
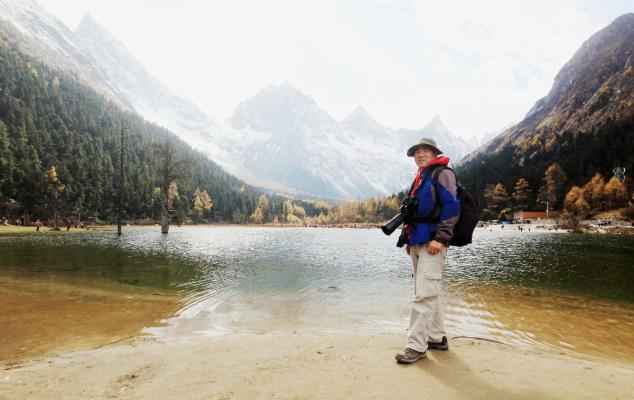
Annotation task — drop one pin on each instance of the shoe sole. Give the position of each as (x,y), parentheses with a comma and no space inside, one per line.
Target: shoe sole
(434,347)
(401,361)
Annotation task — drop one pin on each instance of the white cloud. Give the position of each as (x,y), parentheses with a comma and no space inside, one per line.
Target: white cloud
(479,64)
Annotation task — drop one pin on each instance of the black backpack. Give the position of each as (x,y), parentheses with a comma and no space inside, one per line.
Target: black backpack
(463,230)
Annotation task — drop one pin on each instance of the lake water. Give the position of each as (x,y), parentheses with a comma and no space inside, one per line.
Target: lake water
(566,292)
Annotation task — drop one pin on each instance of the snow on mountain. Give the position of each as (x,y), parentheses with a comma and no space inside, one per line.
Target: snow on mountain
(306,148)
(279,139)
(147,95)
(45,37)
(452,145)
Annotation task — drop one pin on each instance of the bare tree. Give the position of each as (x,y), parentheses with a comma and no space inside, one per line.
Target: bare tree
(173,169)
(120,187)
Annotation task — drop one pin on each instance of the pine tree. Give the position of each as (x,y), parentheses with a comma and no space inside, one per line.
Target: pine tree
(553,186)
(521,194)
(56,187)
(6,164)
(497,200)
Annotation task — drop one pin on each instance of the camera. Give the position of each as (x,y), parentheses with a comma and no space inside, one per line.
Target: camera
(406,213)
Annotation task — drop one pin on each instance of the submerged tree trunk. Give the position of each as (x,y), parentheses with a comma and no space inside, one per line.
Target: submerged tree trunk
(120,187)
(27,217)
(165,215)
(171,171)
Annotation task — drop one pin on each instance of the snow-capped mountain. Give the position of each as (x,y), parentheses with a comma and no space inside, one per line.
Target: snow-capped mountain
(45,37)
(449,143)
(302,146)
(278,139)
(147,95)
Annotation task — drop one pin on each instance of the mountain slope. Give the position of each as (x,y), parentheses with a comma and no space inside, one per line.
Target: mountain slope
(44,37)
(279,139)
(49,118)
(146,94)
(585,123)
(300,145)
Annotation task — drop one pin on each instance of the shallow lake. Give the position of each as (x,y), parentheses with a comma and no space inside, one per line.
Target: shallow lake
(566,292)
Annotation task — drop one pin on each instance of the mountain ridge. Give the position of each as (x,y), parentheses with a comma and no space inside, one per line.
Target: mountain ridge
(587,115)
(286,133)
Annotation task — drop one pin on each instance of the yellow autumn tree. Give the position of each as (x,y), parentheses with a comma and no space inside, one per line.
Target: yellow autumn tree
(260,215)
(202,203)
(594,192)
(575,206)
(55,187)
(616,195)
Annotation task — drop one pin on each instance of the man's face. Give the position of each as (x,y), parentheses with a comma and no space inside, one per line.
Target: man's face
(423,156)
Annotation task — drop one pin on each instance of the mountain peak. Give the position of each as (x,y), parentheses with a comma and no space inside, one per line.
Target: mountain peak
(436,125)
(359,113)
(88,20)
(287,90)
(88,24)
(278,108)
(89,29)
(359,118)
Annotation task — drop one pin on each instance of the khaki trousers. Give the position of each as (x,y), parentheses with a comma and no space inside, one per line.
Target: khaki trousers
(427,319)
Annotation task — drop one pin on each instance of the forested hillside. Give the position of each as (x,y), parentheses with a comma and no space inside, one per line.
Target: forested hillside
(584,126)
(50,120)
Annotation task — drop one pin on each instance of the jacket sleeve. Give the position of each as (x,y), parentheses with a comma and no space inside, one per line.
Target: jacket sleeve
(447,189)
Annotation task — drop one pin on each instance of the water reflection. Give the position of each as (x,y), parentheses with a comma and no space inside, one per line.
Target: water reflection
(568,292)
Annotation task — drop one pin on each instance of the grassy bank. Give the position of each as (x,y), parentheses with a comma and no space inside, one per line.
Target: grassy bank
(12,230)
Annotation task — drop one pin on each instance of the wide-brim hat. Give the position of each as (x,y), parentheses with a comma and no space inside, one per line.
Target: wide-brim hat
(424,142)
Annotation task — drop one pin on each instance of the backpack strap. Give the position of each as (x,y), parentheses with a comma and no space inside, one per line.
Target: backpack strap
(435,216)
(431,174)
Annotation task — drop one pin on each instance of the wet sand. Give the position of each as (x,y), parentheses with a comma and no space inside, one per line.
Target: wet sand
(295,366)
(582,327)
(39,317)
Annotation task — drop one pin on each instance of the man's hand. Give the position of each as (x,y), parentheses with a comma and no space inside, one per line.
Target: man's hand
(434,247)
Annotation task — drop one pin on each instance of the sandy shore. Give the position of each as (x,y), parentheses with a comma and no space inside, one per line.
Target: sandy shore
(296,366)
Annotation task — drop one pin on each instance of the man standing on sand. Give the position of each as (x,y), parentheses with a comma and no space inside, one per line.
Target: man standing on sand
(427,242)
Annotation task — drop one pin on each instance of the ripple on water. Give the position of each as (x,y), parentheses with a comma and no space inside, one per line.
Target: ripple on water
(536,289)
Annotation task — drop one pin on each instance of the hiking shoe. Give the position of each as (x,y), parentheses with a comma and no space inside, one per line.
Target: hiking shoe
(443,345)
(410,356)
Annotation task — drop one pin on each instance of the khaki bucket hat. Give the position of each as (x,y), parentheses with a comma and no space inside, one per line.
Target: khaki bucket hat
(424,142)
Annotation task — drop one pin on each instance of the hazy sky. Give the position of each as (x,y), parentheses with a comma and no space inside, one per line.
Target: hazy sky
(480,65)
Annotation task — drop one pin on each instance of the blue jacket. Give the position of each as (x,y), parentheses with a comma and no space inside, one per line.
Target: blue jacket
(450,208)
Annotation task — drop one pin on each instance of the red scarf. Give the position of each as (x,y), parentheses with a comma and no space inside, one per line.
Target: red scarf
(440,160)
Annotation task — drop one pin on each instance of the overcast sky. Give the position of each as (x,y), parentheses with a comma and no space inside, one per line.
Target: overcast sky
(480,65)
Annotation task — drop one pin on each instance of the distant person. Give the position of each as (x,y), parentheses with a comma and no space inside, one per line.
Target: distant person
(426,243)
(38,224)
(68,224)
